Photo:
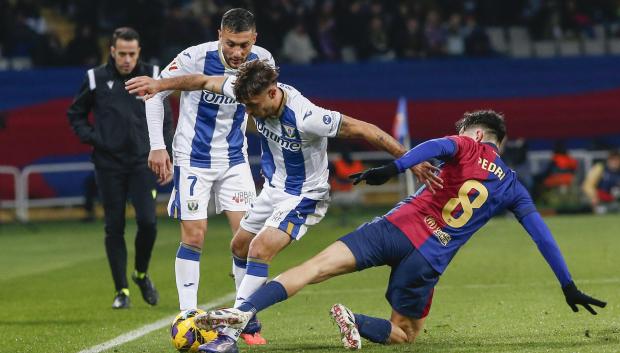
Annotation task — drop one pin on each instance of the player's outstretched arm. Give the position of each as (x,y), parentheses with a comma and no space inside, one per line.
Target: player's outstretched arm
(436,148)
(147,86)
(351,128)
(540,233)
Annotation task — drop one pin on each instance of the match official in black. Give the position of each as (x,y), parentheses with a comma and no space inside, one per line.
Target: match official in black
(121,147)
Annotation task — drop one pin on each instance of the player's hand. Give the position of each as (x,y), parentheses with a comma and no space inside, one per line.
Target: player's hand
(144,86)
(426,173)
(576,297)
(159,162)
(165,181)
(375,176)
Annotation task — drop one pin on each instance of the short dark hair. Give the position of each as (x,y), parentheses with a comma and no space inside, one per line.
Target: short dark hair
(253,78)
(490,120)
(125,33)
(238,20)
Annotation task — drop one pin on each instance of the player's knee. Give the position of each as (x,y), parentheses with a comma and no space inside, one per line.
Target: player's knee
(260,249)
(193,234)
(239,247)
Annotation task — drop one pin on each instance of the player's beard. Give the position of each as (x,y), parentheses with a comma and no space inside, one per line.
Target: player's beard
(235,62)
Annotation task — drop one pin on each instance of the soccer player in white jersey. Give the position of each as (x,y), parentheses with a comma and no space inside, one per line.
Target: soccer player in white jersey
(209,149)
(294,136)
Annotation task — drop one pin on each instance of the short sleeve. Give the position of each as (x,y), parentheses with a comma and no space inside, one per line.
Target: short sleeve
(228,86)
(521,203)
(183,64)
(271,61)
(320,122)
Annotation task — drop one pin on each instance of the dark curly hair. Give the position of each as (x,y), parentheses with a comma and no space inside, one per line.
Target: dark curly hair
(253,78)
(489,120)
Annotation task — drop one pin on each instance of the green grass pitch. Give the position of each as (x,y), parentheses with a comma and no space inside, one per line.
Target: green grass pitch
(498,295)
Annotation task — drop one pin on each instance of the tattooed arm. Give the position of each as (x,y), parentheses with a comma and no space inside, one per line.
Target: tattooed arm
(351,128)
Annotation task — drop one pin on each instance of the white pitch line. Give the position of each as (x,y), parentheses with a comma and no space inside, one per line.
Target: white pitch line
(132,335)
(146,329)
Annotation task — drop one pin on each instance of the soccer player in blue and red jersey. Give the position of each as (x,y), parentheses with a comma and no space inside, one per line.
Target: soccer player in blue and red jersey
(419,237)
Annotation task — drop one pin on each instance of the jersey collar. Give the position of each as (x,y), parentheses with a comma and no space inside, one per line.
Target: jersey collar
(222,59)
(282,104)
(492,145)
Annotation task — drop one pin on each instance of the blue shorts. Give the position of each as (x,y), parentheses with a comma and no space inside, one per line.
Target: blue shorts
(412,280)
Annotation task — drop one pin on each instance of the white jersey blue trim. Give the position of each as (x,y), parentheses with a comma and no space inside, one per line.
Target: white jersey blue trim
(293,160)
(211,127)
(294,145)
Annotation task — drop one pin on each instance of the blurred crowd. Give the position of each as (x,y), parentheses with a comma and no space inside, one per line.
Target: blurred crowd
(297,31)
(569,183)
(565,181)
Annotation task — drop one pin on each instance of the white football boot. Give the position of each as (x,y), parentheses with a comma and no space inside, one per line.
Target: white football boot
(220,318)
(343,317)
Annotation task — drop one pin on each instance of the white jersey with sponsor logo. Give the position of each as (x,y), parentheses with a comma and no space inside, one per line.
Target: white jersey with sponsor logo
(210,132)
(294,145)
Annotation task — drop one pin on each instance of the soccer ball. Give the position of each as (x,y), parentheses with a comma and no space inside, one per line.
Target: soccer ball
(184,334)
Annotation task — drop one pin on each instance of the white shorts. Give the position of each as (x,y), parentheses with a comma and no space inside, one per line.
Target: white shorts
(289,213)
(233,190)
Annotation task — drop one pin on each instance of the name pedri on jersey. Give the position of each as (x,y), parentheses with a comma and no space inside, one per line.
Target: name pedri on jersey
(211,128)
(294,145)
(478,185)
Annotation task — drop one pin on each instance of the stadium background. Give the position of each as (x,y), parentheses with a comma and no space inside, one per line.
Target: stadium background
(550,66)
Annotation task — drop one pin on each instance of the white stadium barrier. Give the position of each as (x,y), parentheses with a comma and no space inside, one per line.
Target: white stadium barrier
(22,202)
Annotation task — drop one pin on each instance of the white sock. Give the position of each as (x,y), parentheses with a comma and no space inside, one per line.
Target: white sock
(239,269)
(255,276)
(187,272)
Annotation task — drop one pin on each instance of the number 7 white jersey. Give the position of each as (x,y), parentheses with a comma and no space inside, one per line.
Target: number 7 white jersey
(210,132)
(294,145)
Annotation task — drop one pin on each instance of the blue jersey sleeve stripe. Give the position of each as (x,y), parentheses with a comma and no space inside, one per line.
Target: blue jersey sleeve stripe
(436,148)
